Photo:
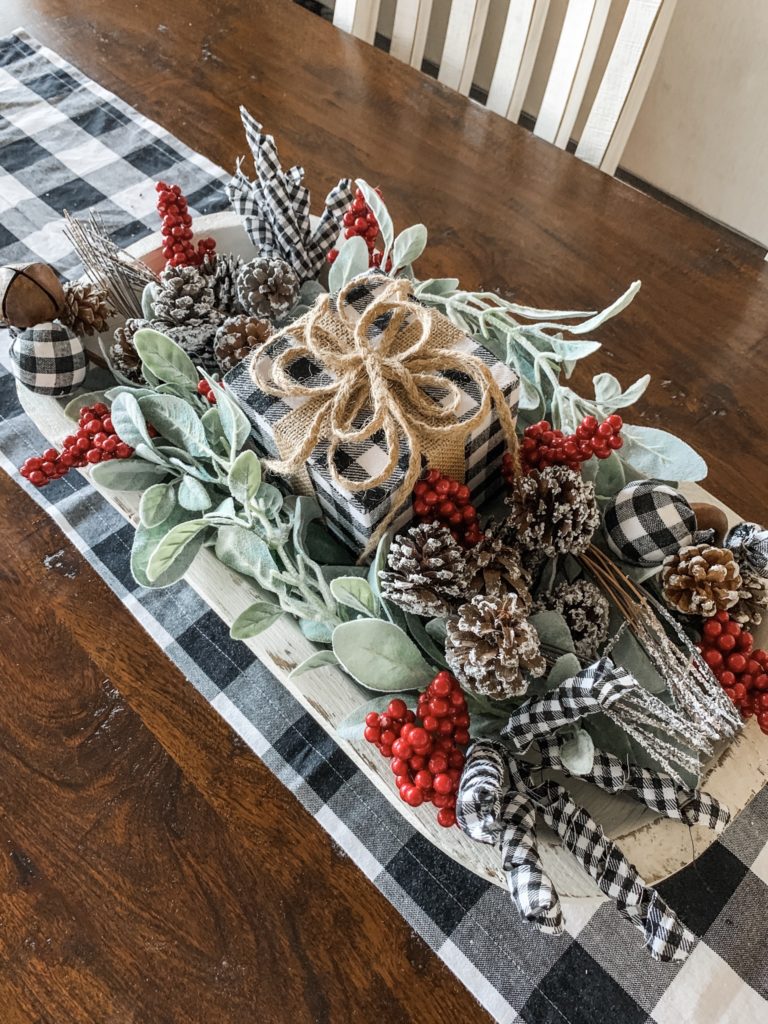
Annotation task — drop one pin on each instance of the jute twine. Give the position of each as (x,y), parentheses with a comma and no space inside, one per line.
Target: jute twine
(384,373)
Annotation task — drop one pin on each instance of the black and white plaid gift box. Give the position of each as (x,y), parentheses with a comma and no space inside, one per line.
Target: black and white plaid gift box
(354,516)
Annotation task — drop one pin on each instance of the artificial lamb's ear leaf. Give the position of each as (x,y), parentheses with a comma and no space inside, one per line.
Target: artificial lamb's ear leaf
(193,495)
(245,476)
(659,455)
(351,261)
(315,660)
(354,592)
(172,546)
(268,499)
(553,631)
(381,213)
(156,504)
(437,286)
(178,423)
(145,542)
(242,550)
(164,358)
(578,753)
(380,656)
(129,422)
(234,422)
(127,474)
(254,620)
(408,246)
(317,632)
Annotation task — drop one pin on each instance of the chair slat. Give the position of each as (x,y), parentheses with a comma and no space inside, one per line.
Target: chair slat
(517,55)
(575,56)
(358,17)
(622,90)
(462,43)
(409,32)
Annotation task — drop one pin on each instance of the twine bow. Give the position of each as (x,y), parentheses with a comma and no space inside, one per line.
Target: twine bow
(382,367)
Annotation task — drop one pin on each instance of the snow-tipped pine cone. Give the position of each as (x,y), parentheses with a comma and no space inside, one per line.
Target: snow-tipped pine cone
(267,287)
(700,580)
(586,612)
(237,337)
(185,298)
(123,355)
(87,309)
(553,512)
(425,570)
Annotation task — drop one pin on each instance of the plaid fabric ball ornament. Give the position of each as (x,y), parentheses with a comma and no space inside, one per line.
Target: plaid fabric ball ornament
(648,520)
(48,359)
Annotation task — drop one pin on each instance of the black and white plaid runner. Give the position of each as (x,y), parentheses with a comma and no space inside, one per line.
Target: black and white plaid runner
(595,971)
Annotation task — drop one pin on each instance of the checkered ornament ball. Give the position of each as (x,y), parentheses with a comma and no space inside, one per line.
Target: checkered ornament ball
(48,359)
(648,520)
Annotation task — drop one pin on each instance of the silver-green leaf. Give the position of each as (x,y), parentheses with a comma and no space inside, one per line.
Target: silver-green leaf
(351,261)
(380,656)
(172,546)
(408,246)
(129,422)
(354,592)
(578,753)
(164,358)
(178,423)
(193,495)
(245,477)
(315,660)
(156,504)
(254,620)
(127,474)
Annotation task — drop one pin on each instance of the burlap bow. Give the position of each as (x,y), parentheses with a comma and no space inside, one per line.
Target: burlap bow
(382,367)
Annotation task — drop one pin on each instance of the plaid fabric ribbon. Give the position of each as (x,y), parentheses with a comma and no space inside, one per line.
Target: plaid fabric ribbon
(497,804)
(749,543)
(275,207)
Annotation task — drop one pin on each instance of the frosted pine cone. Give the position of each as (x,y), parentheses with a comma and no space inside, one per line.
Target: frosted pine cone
(237,337)
(753,599)
(554,512)
(185,297)
(86,308)
(267,286)
(490,644)
(222,270)
(586,612)
(197,340)
(700,580)
(123,354)
(425,570)
(493,569)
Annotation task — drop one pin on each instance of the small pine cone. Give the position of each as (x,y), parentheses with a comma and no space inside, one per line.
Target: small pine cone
(237,337)
(493,569)
(490,644)
(267,286)
(123,354)
(185,297)
(86,308)
(426,568)
(700,580)
(753,599)
(222,270)
(586,612)
(197,340)
(554,512)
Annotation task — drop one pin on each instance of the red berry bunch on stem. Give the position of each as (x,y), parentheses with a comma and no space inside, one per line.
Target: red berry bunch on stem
(426,758)
(360,220)
(205,389)
(178,248)
(439,499)
(542,446)
(728,649)
(95,441)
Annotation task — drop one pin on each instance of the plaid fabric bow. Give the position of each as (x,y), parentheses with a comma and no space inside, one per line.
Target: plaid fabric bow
(275,207)
(497,803)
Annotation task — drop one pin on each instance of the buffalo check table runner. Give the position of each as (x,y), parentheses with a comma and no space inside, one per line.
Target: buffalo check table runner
(66,143)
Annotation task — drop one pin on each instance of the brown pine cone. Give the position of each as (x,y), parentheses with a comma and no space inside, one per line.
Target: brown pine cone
(490,644)
(86,308)
(554,512)
(700,580)
(493,569)
(267,286)
(237,338)
(222,269)
(123,355)
(185,298)
(426,569)
(586,612)
(753,599)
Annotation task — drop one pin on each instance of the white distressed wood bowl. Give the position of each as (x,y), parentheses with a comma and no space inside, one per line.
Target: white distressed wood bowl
(657,846)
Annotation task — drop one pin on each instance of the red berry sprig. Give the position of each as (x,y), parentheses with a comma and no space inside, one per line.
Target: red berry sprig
(425,746)
(439,499)
(178,248)
(205,389)
(741,670)
(95,441)
(542,446)
(360,220)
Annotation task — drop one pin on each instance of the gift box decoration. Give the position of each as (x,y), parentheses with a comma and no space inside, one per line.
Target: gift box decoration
(354,399)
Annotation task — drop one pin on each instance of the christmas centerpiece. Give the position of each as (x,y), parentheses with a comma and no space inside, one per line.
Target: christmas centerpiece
(523,601)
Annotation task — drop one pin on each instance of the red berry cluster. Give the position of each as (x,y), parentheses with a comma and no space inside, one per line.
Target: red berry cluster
(742,671)
(542,446)
(360,220)
(439,499)
(426,759)
(205,389)
(95,441)
(178,248)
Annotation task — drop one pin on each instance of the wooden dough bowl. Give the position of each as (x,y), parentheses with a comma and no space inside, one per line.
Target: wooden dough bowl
(658,847)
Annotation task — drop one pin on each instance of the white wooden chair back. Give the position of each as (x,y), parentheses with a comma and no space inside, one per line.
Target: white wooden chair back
(619,96)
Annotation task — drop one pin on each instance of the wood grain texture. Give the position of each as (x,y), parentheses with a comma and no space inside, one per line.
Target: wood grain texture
(141,882)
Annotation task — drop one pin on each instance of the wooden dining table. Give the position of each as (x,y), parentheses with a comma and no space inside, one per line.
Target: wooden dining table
(213,895)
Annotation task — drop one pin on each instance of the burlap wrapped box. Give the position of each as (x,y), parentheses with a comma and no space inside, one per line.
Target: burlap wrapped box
(353,400)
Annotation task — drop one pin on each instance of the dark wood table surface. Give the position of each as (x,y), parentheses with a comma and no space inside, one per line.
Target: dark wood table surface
(153,870)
